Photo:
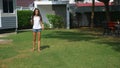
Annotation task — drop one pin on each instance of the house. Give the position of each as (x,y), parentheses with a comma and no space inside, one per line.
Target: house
(58,7)
(117,2)
(81,13)
(76,13)
(25,4)
(8,14)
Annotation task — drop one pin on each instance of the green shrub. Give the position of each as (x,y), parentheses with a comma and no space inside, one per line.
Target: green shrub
(55,20)
(24,17)
(46,25)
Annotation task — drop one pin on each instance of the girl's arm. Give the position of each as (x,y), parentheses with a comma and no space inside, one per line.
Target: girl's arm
(31,20)
(41,23)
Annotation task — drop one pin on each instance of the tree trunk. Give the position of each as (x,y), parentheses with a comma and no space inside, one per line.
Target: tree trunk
(92,14)
(106,3)
(107,11)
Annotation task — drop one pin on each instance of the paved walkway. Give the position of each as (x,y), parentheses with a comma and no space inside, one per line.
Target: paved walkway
(5,41)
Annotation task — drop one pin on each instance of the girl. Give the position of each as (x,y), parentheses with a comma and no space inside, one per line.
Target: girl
(37,27)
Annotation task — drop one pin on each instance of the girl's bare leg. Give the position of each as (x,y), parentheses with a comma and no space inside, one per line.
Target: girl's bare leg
(34,40)
(39,40)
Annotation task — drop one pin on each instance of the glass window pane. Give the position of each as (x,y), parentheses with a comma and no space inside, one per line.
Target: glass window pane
(5,6)
(10,6)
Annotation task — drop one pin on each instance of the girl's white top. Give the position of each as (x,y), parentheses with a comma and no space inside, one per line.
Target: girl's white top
(36,22)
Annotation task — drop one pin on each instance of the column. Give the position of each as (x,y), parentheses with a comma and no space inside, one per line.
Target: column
(68,17)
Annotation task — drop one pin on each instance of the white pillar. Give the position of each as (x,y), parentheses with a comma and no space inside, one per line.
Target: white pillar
(15,9)
(68,16)
(71,1)
(0,19)
(35,4)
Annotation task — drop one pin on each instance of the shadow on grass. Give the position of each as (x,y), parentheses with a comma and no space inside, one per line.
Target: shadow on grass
(83,36)
(71,36)
(3,31)
(114,44)
(25,30)
(44,47)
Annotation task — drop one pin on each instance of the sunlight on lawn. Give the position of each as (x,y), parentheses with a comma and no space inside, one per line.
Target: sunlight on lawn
(61,49)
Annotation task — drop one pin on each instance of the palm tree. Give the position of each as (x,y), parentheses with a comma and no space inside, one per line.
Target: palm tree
(106,3)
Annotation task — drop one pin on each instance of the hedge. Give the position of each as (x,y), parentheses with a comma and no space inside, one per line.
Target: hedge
(24,17)
(55,20)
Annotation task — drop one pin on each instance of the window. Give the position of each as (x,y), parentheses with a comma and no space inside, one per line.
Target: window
(8,6)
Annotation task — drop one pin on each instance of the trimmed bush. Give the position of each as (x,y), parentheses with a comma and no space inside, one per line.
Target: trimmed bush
(24,17)
(55,20)
(46,26)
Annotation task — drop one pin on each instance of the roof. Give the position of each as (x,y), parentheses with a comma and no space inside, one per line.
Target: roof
(24,3)
(79,4)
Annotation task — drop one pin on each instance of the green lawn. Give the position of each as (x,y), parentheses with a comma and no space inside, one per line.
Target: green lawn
(62,49)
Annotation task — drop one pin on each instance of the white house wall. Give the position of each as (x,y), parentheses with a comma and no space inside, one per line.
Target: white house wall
(52,9)
(70,1)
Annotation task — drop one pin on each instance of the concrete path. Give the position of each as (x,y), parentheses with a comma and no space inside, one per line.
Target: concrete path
(5,41)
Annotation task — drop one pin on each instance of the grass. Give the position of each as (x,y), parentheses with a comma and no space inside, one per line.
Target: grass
(62,49)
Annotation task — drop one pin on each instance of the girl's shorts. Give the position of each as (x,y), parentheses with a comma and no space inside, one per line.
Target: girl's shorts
(37,30)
